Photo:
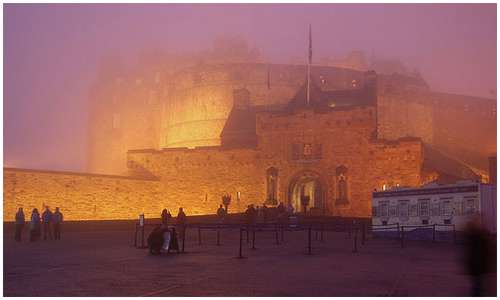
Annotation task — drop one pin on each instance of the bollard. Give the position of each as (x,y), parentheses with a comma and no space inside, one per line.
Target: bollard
(135,236)
(399,232)
(282,233)
(142,237)
(363,234)
(454,235)
(218,236)
(321,234)
(309,241)
(199,235)
(402,237)
(240,255)
(355,242)
(433,233)
(183,237)
(253,238)
(277,234)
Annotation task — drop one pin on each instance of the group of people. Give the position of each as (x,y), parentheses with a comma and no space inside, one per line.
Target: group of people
(49,223)
(156,239)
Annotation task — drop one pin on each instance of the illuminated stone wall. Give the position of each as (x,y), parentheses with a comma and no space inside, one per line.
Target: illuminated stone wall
(201,176)
(81,196)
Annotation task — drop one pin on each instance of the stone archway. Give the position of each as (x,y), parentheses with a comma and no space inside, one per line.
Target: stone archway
(310,184)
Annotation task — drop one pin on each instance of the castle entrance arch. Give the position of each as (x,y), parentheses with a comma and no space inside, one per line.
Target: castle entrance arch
(307,184)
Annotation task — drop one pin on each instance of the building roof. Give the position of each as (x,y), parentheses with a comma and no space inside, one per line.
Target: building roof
(332,99)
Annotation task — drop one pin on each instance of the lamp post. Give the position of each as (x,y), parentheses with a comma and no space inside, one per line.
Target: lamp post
(226,200)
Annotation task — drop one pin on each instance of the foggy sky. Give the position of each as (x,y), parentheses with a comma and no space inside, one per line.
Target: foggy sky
(51,54)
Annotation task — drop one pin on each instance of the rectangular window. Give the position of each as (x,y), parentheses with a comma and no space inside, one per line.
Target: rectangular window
(392,211)
(384,209)
(403,208)
(413,210)
(424,207)
(470,206)
(374,211)
(446,208)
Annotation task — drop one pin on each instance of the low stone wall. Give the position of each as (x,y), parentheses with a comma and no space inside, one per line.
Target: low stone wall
(81,196)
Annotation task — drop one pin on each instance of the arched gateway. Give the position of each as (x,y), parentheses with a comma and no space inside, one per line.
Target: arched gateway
(309,184)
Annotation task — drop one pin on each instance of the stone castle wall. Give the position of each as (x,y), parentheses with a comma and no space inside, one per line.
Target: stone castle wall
(81,196)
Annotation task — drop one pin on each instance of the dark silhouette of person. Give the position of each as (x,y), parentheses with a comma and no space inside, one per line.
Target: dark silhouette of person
(57,219)
(165,215)
(156,240)
(47,222)
(221,214)
(34,225)
(181,221)
(174,243)
(477,255)
(20,221)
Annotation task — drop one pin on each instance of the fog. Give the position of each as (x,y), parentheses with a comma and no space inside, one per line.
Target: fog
(52,54)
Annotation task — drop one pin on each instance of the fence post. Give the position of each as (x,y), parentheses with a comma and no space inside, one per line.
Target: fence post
(142,236)
(399,231)
(135,236)
(199,235)
(218,236)
(248,232)
(241,242)
(309,241)
(355,242)
(183,237)
(282,233)
(363,233)
(402,236)
(433,233)
(454,235)
(253,238)
(321,234)
(277,234)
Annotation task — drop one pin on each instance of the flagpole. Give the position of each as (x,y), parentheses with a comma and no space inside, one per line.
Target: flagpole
(309,67)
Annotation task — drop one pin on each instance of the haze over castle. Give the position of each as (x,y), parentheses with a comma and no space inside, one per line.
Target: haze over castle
(186,133)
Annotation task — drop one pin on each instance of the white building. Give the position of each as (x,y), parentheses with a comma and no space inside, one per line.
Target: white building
(436,204)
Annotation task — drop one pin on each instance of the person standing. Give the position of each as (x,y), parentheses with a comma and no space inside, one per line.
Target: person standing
(20,221)
(34,225)
(47,220)
(181,222)
(164,217)
(57,219)
(221,214)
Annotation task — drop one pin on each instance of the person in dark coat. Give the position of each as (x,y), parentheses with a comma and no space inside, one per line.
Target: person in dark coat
(34,225)
(478,256)
(156,240)
(164,217)
(174,243)
(20,221)
(47,223)
(181,222)
(57,219)
(221,214)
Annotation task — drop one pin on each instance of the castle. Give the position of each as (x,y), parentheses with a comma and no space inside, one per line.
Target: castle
(247,129)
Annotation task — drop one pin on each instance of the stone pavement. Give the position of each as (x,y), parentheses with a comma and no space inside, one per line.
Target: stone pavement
(104,263)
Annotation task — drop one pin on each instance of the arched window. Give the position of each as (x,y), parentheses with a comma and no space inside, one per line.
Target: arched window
(272,186)
(342,192)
